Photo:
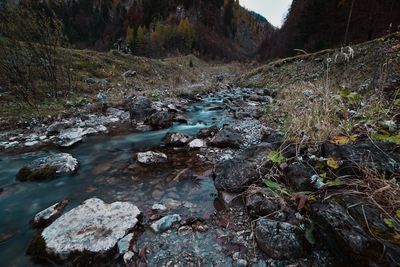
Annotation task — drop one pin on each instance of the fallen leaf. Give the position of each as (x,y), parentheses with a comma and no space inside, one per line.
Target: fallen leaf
(389,223)
(398,214)
(332,163)
(276,157)
(302,201)
(275,186)
(343,140)
(312,198)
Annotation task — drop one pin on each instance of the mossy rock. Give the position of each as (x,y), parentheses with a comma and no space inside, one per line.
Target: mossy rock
(25,174)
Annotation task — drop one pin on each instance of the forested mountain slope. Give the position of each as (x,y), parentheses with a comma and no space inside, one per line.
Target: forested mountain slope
(159,28)
(313,25)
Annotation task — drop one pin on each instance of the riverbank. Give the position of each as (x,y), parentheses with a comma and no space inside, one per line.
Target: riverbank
(302,174)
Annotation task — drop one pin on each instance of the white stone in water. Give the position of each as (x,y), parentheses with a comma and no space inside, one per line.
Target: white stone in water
(128,256)
(49,214)
(197,143)
(94,227)
(151,157)
(63,162)
(165,223)
(31,143)
(68,137)
(11,144)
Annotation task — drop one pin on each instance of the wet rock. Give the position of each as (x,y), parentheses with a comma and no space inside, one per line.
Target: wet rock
(280,240)
(357,248)
(47,216)
(160,120)
(207,132)
(69,137)
(86,234)
(298,176)
(383,157)
(140,108)
(234,175)
(227,137)
(151,158)
(181,118)
(159,207)
(173,139)
(165,223)
(124,243)
(271,136)
(197,143)
(263,201)
(48,167)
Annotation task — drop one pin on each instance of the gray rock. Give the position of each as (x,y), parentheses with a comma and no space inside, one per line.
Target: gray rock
(280,240)
(197,143)
(102,97)
(234,175)
(91,229)
(159,207)
(48,167)
(263,201)
(69,137)
(165,223)
(128,257)
(299,175)
(174,139)
(383,157)
(151,158)
(207,132)
(160,120)
(140,108)
(340,230)
(227,137)
(47,216)
(56,127)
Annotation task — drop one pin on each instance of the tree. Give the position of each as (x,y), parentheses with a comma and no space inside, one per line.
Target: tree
(141,41)
(186,30)
(32,64)
(130,35)
(348,22)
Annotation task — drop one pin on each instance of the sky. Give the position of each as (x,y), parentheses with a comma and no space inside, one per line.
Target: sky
(273,10)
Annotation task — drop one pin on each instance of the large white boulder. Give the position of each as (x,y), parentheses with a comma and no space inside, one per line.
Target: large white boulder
(93,227)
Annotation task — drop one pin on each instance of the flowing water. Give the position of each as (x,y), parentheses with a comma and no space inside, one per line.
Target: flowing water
(102,173)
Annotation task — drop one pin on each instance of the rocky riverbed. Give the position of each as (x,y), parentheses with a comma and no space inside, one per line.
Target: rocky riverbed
(185,183)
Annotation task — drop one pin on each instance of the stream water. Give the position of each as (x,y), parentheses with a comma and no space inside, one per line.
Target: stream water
(103,160)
